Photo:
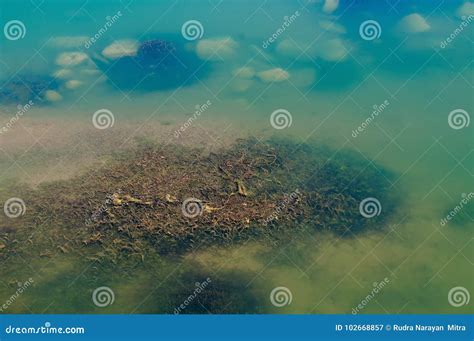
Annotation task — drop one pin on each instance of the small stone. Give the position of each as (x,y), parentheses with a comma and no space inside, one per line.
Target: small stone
(53,96)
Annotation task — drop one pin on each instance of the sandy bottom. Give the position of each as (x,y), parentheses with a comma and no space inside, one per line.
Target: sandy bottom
(33,151)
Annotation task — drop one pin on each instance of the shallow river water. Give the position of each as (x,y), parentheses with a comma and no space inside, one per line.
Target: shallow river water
(391,83)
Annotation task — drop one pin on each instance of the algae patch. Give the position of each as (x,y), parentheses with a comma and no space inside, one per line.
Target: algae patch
(169,199)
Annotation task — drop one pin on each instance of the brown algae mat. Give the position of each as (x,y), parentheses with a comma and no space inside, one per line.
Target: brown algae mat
(169,199)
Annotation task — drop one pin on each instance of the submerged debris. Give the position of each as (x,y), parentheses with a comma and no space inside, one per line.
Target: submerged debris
(119,200)
(170,199)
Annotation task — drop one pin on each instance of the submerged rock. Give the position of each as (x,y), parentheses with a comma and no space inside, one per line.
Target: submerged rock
(157,55)
(121,48)
(22,89)
(67,59)
(159,64)
(218,49)
(52,96)
(273,75)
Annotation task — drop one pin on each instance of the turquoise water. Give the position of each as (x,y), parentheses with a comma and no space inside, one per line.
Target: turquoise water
(385,94)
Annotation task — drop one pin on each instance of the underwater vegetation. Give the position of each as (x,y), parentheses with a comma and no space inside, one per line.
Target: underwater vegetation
(169,200)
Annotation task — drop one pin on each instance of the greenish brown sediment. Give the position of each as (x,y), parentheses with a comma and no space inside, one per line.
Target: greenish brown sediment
(134,204)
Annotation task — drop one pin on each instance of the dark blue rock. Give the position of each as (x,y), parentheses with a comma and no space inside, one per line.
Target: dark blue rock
(158,65)
(25,88)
